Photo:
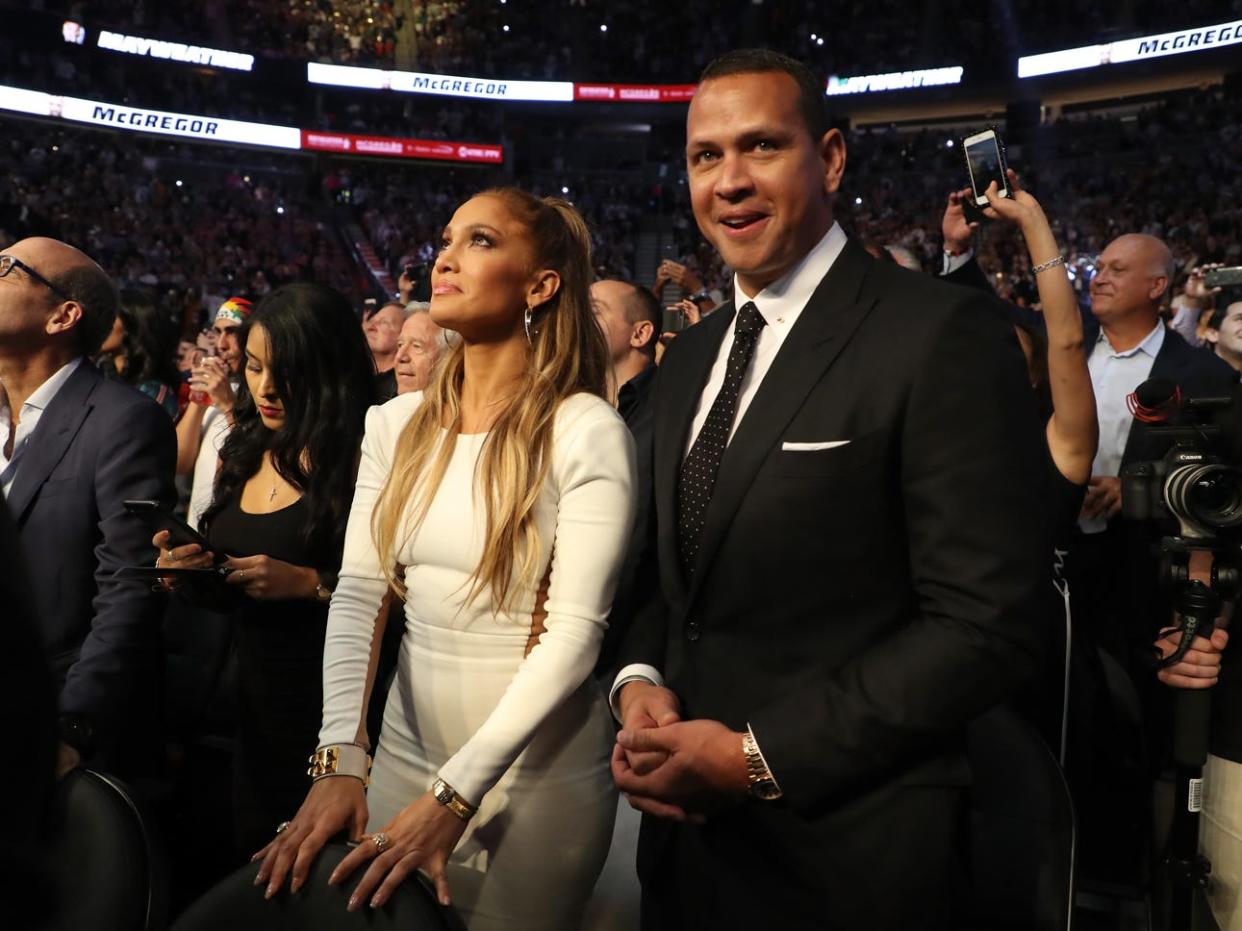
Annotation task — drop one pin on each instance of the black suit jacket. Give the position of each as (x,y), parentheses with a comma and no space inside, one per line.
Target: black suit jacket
(97,444)
(857,605)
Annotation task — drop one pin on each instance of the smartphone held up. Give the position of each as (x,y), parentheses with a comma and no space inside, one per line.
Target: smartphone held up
(985,160)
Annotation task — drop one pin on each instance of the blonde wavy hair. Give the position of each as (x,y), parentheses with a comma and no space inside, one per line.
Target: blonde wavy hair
(567,355)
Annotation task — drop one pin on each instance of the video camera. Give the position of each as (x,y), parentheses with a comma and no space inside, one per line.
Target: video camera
(1192,485)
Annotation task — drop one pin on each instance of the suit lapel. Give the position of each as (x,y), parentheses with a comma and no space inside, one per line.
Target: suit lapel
(681,385)
(51,438)
(824,328)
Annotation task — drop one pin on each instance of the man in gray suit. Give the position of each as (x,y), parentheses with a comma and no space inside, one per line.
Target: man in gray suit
(74,448)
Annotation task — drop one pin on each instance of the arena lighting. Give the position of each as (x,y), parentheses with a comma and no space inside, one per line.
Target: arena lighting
(444,85)
(73,33)
(215,129)
(1198,39)
(896,80)
(174,51)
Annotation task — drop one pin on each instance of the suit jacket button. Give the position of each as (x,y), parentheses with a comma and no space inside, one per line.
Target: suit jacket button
(692,630)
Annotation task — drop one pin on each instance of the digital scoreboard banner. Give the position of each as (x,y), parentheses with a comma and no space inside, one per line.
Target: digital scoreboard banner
(216,129)
(1198,39)
(443,85)
(894,81)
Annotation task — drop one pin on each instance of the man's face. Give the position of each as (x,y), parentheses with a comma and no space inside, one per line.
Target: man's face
(25,303)
(227,347)
(1229,336)
(418,350)
(608,302)
(383,329)
(759,183)
(1127,280)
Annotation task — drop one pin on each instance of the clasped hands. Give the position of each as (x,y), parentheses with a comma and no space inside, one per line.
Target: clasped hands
(670,768)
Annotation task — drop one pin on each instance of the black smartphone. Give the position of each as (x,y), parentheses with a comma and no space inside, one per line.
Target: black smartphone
(985,160)
(158,518)
(1224,277)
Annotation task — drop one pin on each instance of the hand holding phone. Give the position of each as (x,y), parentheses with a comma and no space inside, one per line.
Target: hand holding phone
(985,161)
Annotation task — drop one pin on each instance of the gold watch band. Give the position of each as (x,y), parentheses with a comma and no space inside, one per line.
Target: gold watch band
(447,796)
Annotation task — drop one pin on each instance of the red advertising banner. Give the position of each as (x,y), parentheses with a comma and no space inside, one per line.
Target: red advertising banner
(635,93)
(349,144)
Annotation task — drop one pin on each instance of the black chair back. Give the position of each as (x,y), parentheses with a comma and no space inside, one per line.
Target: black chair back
(238,905)
(108,866)
(1022,828)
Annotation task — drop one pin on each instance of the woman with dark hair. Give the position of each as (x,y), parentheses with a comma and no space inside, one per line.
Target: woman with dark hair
(141,349)
(282,498)
(498,502)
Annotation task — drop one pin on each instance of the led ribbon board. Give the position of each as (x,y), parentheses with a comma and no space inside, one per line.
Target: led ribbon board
(174,51)
(1199,39)
(215,129)
(894,81)
(443,85)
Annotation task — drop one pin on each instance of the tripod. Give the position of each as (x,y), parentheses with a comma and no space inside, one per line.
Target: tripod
(1183,870)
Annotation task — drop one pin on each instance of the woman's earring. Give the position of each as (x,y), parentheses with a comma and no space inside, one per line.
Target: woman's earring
(526,323)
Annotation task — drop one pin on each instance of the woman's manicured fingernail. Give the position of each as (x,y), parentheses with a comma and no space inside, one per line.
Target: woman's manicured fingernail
(353,902)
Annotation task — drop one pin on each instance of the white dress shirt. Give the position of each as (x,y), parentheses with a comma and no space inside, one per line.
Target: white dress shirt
(1114,375)
(32,411)
(780,304)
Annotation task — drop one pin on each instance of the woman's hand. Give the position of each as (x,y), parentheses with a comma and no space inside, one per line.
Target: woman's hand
(421,837)
(333,804)
(190,556)
(268,579)
(1019,208)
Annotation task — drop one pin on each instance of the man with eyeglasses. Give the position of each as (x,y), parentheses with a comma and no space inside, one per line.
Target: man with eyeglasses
(74,448)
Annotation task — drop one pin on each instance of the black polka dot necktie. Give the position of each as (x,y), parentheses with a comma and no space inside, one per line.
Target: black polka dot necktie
(698,471)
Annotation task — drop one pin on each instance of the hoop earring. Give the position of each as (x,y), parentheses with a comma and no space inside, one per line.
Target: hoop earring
(526,323)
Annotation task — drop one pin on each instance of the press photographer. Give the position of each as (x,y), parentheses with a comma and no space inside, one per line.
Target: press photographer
(1194,491)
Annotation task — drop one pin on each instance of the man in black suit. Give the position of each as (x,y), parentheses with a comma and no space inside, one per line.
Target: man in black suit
(74,448)
(848,482)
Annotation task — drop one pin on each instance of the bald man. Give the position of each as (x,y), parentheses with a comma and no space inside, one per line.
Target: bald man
(75,448)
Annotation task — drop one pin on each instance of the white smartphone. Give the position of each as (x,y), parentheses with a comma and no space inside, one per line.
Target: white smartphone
(985,159)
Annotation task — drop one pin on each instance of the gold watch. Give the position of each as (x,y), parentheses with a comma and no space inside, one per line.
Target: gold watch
(447,796)
(323,594)
(762,785)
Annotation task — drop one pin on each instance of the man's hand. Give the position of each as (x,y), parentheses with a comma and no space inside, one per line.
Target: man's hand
(643,705)
(405,287)
(211,376)
(1196,287)
(680,275)
(704,768)
(955,229)
(1200,667)
(1103,497)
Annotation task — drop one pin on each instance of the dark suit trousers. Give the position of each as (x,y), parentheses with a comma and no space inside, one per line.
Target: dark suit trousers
(729,874)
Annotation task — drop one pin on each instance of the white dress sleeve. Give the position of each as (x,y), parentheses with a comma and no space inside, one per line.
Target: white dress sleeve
(360,593)
(593,472)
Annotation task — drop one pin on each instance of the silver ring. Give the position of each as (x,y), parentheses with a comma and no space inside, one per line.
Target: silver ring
(280,828)
(381,841)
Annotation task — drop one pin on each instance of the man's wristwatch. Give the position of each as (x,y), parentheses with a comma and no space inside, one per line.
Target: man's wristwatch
(323,594)
(447,796)
(762,785)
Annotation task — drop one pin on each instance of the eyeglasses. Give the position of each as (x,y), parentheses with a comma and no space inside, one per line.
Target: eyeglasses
(10,262)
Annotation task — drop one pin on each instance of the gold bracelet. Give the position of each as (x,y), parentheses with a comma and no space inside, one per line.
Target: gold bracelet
(340,760)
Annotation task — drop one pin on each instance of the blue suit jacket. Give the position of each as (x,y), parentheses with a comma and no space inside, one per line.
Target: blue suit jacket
(97,444)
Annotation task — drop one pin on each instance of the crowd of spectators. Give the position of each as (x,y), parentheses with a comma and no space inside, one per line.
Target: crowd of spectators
(629,40)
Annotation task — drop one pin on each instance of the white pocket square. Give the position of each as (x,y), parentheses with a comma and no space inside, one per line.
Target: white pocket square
(812,447)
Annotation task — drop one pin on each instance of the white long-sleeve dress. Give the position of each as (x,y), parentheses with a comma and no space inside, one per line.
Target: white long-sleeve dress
(502,707)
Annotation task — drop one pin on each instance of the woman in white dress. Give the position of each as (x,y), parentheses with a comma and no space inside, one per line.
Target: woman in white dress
(498,503)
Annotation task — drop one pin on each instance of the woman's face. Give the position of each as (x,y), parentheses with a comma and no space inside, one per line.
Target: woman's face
(260,381)
(116,337)
(483,273)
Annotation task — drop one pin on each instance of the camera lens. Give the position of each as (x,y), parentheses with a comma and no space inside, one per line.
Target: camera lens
(1209,496)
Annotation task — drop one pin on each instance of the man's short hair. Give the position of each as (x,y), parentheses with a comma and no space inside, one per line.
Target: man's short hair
(95,293)
(812,91)
(641,305)
(1224,300)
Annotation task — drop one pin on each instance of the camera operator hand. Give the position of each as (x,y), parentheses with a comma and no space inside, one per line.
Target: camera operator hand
(954,227)
(1103,497)
(1200,667)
